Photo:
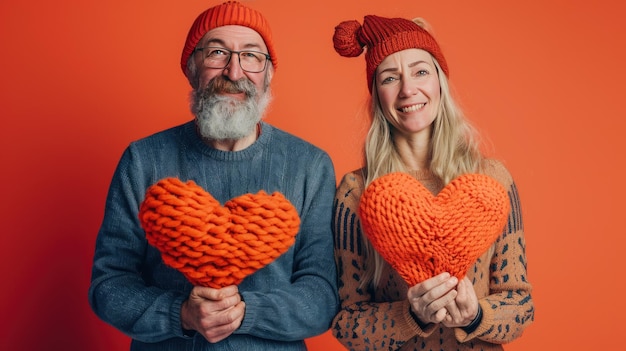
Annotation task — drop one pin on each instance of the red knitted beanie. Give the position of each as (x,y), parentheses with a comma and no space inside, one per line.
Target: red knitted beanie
(228,13)
(383,37)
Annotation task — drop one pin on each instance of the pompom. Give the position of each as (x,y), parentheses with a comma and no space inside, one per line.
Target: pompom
(345,39)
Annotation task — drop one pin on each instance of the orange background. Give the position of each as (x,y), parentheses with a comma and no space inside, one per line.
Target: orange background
(543,81)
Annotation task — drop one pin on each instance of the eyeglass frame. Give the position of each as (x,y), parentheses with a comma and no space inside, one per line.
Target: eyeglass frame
(230,56)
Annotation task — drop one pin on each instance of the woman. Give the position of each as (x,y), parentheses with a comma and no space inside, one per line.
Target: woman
(417,128)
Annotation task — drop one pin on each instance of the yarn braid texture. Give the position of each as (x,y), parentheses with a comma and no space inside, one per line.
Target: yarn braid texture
(215,245)
(421,235)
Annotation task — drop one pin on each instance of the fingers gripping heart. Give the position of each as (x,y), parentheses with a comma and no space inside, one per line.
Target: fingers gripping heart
(214,245)
(421,235)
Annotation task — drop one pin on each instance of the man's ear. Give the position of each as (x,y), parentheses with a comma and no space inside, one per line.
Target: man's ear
(270,73)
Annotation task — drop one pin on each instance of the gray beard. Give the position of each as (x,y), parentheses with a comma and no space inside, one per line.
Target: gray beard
(224,118)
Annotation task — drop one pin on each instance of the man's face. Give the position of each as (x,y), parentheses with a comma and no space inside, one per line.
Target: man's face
(234,38)
(229,101)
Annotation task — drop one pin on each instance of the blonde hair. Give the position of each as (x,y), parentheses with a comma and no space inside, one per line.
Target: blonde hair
(453,150)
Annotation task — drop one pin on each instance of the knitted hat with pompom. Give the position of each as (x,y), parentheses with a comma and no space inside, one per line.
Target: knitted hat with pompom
(383,37)
(228,13)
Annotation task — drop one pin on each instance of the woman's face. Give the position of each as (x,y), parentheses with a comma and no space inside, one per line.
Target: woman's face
(408,91)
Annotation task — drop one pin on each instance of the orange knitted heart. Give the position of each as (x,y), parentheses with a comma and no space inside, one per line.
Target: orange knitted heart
(214,245)
(421,235)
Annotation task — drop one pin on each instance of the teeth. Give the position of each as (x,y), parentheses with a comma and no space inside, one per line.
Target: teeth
(413,108)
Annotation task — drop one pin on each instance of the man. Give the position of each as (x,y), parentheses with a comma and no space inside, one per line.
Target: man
(227,150)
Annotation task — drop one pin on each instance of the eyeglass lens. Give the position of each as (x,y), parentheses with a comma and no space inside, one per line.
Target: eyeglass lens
(250,61)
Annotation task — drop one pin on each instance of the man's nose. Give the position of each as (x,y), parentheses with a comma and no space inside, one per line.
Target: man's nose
(233,69)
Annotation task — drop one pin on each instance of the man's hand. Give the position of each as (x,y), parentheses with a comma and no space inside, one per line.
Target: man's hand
(214,313)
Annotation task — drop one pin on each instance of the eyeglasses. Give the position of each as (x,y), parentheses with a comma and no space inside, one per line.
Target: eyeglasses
(249,61)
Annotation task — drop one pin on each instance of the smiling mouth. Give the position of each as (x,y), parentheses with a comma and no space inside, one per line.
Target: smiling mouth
(412,108)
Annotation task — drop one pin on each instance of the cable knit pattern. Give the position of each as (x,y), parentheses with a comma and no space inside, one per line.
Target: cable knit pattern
(214,245)
(422,235)
(379,319)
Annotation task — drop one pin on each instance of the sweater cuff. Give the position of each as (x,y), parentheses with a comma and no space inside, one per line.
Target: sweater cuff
(474,324)
(420,329)
(250,314)
(486,320)
(175,319)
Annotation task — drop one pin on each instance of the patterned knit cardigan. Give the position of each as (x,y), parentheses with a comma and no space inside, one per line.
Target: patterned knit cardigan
(380,320)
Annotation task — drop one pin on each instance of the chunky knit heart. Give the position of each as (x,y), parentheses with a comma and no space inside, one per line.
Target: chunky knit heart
(421,235)
(214,245)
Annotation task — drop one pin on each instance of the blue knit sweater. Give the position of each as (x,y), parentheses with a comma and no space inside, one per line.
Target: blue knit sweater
(293,298)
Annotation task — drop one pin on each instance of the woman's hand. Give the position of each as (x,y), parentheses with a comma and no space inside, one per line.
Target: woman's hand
(430,298)
(462,311)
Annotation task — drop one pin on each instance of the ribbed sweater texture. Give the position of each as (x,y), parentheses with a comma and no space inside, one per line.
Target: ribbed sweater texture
(287,301)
